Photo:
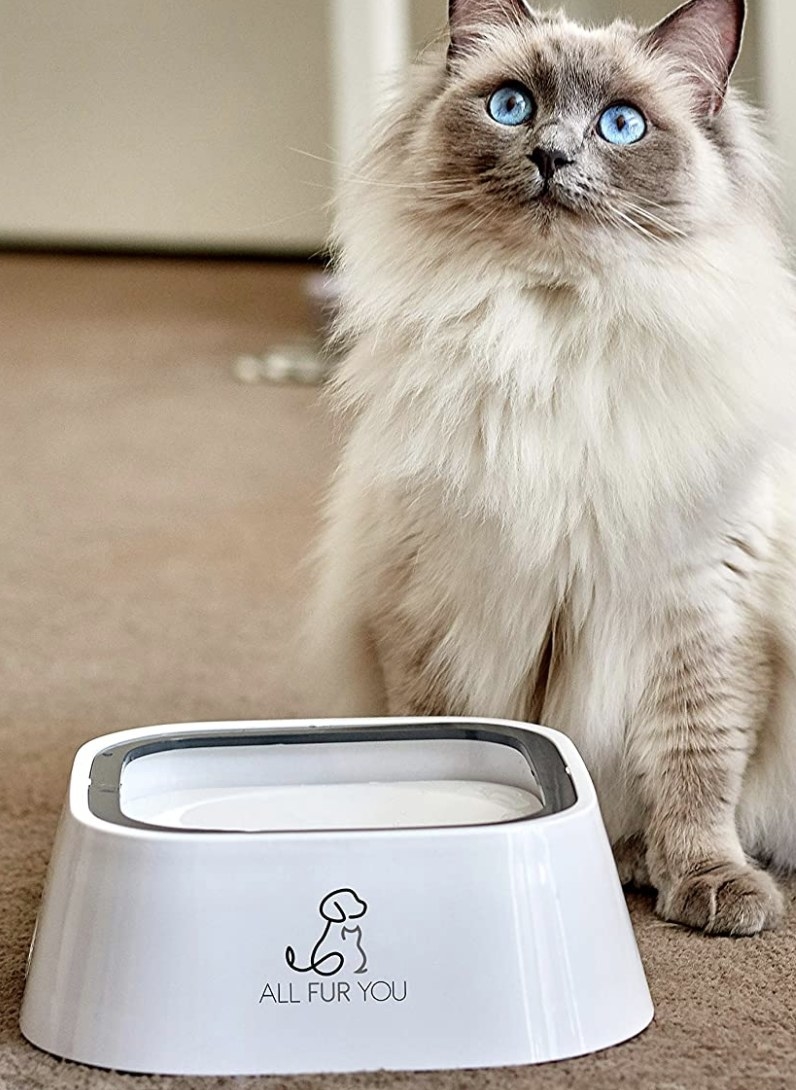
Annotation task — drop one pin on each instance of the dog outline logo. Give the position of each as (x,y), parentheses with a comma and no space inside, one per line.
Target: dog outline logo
(327,959)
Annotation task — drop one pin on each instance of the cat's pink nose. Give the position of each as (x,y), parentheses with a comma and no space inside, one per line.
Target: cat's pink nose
(548,161)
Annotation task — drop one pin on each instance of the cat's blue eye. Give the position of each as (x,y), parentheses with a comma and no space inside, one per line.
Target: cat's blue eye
(622,124)
(511,104)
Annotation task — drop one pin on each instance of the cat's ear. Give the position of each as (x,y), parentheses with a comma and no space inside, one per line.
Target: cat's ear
(468,17)
(703,37)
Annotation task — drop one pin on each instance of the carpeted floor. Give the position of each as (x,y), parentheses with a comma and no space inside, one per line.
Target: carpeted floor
(152,515)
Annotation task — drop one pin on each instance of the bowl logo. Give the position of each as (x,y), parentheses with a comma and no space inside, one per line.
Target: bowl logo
(340,942)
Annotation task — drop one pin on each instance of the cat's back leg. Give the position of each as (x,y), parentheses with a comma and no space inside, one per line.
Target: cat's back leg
(767,811)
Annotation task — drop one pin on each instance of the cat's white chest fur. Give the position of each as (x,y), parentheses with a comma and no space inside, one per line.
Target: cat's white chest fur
(577,432)
(539,477)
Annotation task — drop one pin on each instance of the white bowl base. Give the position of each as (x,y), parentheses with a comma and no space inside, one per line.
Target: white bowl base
(285,898)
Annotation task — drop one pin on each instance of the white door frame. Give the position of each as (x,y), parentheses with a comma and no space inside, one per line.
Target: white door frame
(370,42)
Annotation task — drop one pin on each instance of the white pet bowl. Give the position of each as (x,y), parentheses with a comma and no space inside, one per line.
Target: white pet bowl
(289,897)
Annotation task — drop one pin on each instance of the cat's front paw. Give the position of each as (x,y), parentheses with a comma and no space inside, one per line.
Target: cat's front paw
(726,899)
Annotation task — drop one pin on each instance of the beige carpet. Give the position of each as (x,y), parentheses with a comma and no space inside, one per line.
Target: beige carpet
(152,513)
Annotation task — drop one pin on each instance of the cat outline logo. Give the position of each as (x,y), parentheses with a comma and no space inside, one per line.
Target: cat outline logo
(327,959)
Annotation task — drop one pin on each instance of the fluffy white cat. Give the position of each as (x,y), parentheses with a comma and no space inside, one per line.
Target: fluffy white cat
(568,494)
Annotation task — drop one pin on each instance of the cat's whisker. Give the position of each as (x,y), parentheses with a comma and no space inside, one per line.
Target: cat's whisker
(472,227)
(667,229)
(441,185)
(680,234)
(648,202)
(446,188)
(350,175)
(633,212)
(647,210)
(641,217)
(622,219)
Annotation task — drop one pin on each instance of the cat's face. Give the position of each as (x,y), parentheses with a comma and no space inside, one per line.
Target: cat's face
(545,127)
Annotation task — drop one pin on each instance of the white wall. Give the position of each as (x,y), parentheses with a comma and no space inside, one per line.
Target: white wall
(165,121)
